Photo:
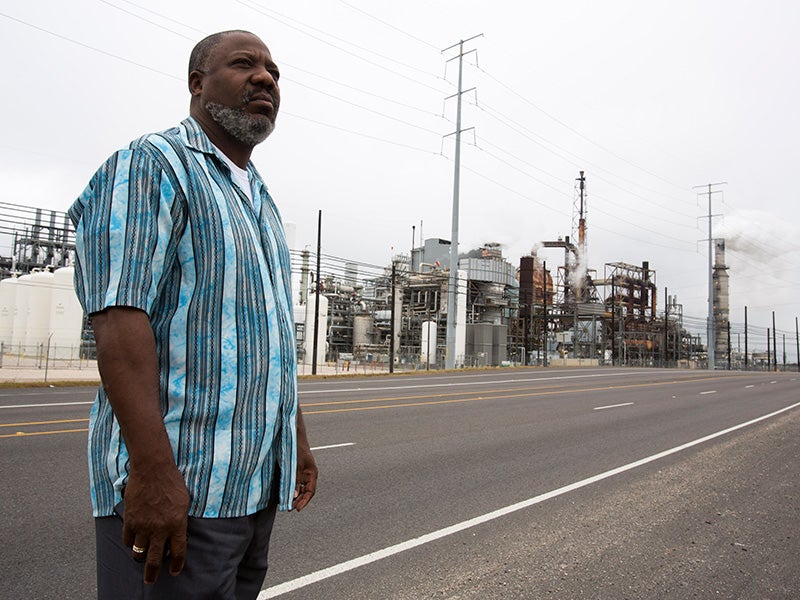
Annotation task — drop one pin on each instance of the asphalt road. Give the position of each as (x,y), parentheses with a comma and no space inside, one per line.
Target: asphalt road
(602,483)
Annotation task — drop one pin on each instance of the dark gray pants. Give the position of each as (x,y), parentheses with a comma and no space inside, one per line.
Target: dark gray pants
(226,559)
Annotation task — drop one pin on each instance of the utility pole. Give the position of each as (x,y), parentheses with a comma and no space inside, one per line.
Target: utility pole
(710,333)
(666,322)
(613,316)
(452,288)
(544,313)
(316,299)
(729,345)
(745,338)
(769,349)
(774,344)
(797,343)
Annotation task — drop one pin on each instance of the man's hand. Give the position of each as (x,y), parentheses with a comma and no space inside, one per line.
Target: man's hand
(156,506)
(306,484)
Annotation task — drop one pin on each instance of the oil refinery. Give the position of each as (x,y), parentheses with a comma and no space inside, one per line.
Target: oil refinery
(509,310)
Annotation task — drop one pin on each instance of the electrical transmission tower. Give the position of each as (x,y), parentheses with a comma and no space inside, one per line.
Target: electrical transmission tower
(710,333)
(450,354)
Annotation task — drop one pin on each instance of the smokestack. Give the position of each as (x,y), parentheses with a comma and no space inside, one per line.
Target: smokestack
(721,301)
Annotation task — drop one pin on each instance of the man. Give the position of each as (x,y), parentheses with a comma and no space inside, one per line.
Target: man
(196,437)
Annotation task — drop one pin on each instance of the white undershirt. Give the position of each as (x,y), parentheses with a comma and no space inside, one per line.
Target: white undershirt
(240,176)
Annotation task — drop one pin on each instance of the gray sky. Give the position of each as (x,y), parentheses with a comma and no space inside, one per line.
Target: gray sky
(648,98)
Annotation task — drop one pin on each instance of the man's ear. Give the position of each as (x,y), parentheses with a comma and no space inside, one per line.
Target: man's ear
(195,83)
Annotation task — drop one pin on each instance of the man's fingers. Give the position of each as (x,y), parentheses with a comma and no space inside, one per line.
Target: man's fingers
(177,552)
(155,555)
(128,535)
(139,549)
(303,495)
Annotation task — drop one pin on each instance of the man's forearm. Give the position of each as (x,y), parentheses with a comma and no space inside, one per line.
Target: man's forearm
(126,356)
(156,498)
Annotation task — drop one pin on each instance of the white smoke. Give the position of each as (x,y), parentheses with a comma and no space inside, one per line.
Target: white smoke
(761,240)
(762,255)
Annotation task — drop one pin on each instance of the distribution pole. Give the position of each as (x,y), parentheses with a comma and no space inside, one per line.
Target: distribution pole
(797,343)
(729,345)
(745,338)
(452,288)
(316,300)
(774,344)
(544,313)
(666,323)
(769,349)
(710,332)
(613,316)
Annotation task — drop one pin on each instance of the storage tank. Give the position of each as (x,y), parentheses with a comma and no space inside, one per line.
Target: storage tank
(362,330)
(427,353)
(19,328)
(8,307)
(66,316)
(40,295)
(322,333)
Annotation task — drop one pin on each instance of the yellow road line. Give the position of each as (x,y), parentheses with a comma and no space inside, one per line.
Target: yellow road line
(44,422)
(23,434)
(447,399)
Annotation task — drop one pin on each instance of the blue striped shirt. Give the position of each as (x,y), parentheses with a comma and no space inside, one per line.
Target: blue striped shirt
(163,228)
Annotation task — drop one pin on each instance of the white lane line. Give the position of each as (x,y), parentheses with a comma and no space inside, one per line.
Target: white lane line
(300,582)
(708,392)
(613,406)
(749,386)
(45,405)
(437,385)
(334,446)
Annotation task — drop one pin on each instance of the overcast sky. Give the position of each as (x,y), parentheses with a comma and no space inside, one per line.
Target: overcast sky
(648,98)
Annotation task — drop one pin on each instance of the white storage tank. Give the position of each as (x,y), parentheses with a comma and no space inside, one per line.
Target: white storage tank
(66,316)
(427,355)
(40,295)
(322,333)
(8,307)
(19,328)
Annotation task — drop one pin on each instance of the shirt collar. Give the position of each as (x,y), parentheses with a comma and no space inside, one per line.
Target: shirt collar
(196,139)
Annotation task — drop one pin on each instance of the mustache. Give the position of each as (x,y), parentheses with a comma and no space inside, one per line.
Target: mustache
(250,94)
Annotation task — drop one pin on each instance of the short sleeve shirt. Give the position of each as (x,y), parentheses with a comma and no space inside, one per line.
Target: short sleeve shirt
(162,227)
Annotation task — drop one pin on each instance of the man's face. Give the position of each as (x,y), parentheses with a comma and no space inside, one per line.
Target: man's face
(239,88)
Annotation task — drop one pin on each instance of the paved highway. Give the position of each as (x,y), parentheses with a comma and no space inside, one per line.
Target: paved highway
(529,483)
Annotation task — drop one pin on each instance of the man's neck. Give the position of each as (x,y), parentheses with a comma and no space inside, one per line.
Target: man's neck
(237,151)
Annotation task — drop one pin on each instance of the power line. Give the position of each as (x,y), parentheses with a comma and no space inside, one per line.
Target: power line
(389,25)
(264,11)
(77,43)
(158,14)
(133,14)
(360,134)
(576,132)
(376,112)
(500,117)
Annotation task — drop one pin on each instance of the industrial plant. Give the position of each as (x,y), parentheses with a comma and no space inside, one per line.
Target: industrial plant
(508,310)
(506,313)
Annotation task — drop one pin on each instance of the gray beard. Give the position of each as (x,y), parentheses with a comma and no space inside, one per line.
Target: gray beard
(246,128)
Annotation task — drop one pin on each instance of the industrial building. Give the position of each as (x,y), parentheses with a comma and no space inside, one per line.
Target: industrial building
(40,316)
(509,310)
